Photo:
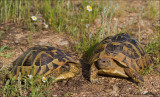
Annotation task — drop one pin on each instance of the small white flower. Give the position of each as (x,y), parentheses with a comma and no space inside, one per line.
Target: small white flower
(115,19)
(82,20)
(45,25)
(87,25)
(44,79)
(89,8)
(30,76)
(34,18)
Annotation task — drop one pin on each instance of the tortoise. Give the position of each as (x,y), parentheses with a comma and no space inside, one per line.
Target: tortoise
(45,61)
(119,55)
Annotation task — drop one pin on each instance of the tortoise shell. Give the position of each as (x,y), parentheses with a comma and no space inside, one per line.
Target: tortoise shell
(126,51)
(45,61)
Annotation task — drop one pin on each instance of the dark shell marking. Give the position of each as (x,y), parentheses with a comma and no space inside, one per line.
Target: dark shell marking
(40,60)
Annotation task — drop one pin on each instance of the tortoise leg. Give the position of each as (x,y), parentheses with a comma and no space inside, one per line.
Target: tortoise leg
(93,74)
(64,76)
(74,68)
(134,75)
(72,72)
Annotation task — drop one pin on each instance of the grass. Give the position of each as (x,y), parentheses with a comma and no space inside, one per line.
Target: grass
(26,87)
(71,19)
(154,49)
(140,24)
(152,10)
(7,55)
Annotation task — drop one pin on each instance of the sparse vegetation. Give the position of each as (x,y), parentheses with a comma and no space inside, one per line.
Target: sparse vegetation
(72,19)
(2,54)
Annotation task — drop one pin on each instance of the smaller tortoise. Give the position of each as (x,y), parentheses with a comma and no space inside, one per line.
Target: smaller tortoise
(119,55)
(45,61)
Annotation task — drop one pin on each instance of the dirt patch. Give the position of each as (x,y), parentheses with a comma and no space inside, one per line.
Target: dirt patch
(109,86)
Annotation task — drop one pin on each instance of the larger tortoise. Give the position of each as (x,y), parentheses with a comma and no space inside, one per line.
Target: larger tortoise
(45,61)
(119,55)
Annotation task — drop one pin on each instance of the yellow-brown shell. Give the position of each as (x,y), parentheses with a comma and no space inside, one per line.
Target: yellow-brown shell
(41,60)
(124,49)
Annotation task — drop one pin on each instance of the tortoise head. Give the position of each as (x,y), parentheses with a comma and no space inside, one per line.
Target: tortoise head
(105,63)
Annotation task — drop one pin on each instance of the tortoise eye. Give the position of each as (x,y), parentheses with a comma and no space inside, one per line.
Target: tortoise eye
(103,61)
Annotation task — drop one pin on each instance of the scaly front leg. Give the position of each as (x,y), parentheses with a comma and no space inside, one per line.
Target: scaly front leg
(93,74)
(64,76)
(74,70)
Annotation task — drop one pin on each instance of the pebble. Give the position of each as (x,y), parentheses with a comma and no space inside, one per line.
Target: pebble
(54,96)
(63,43)
(144,92)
